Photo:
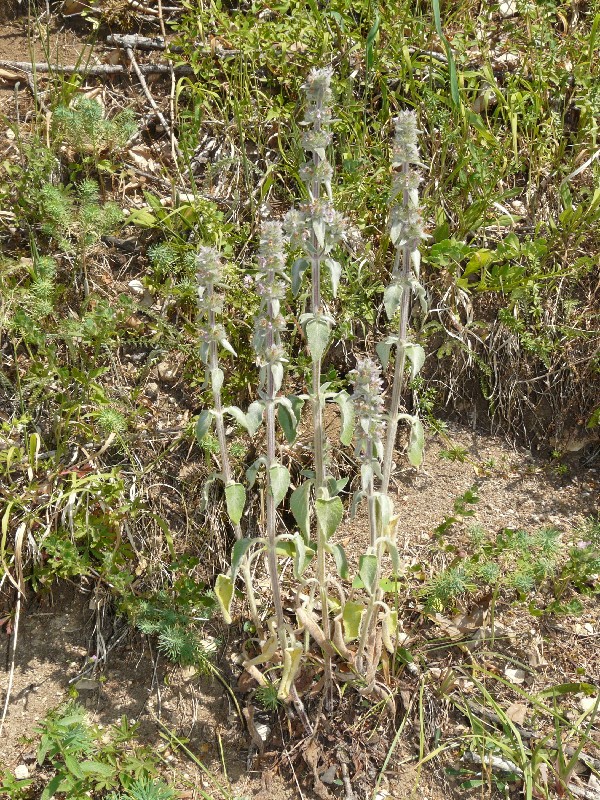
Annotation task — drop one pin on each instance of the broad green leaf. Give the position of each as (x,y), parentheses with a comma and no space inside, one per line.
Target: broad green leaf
(329,515)
(318,226)
(352,615)
(299,267)
(334,486)
(416,441)
(252,470)
(300,508)
(289,410)
(347,413)
(367,569)
(240,548)
(384,508)
(251,420)
(416,356)
(341,561)
(235,499)
(254,416)
(204,424)
(97,768)
(217,377)
(73,765)
(279,481)
(335,270)
(302,556)
(392,297)
(384,348)
(317,335)
(369,48)
(224,595)
(390,546)
(142,218)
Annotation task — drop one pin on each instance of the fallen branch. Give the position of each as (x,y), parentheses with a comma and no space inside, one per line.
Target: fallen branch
(98,69)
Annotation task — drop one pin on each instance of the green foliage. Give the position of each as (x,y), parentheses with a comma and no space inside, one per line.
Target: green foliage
(532,565)
(75,217)
(84,127)
(81,759)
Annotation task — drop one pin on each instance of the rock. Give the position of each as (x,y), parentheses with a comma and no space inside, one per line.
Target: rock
(167,373)
(137,288)
(151,390)
(21,772)
(508,8)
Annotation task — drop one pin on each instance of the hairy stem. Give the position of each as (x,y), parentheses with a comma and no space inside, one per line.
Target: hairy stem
(403,254)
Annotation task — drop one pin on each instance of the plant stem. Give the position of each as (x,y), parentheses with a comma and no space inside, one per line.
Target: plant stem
(213,364)
(270,499)
(319,444)
(398,386)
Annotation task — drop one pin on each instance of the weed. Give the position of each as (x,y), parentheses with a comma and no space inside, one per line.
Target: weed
(81,759)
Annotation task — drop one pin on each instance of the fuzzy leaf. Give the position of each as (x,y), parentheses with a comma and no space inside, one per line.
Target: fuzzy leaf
(416,356)
(367,569)
(224,595)
(392,297)
(341,561)
(420,293)
(204,424)
(347,413)
(240,548)
(235,499)
(300,508)
(302,555)
(226,346)
(292,660)
(329,514)
(393,551)
(334,486)
(279,481)
(335,270)
(356,498)
(251,420)
(299,267)
(318,226)
(384,348)
(384,508)
(317,335)
(288,413)
(217,377)
(416,441)
(352,615)
(252,470)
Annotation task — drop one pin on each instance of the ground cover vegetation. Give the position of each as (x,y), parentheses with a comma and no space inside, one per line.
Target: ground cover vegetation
(345,225)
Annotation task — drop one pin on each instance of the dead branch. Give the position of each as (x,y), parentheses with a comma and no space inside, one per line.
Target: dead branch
(98,69)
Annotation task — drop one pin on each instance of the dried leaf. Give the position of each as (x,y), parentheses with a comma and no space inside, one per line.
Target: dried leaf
(517,712)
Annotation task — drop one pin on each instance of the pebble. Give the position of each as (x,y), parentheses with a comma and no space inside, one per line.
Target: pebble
(167,373)
(151,390)
(507,8)
(21,772)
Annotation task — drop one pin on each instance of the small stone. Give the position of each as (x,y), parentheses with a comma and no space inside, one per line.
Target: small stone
(151,390)
(137,288)
(21,772)
(167,373)
(507,8)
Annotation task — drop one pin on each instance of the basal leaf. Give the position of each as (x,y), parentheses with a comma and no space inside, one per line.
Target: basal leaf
(352,615)
(224,595)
